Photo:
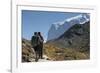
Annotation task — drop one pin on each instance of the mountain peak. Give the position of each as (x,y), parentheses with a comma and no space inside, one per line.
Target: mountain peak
(59,28)
(78,17)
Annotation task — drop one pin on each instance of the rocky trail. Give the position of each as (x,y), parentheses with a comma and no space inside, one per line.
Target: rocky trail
(45,59)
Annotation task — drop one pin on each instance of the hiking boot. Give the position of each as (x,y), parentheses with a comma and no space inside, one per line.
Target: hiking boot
(36,60)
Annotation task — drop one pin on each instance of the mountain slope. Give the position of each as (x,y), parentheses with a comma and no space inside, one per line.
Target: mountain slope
(77,37)
(74,44)
(27,52)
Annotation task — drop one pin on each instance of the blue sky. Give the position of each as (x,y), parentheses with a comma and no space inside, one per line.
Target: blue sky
(40,21)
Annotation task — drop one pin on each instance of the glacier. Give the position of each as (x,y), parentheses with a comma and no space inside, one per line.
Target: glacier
(58,28)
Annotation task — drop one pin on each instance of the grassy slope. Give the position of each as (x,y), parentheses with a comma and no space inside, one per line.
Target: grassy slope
(59,54)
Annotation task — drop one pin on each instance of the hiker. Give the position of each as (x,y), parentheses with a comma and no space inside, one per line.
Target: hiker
(34,43)
(40,46)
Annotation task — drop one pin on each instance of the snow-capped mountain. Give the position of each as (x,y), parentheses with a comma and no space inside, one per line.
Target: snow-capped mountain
(57,29)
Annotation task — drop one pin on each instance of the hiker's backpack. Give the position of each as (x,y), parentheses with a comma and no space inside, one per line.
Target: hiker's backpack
(40,39)
(34,41)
